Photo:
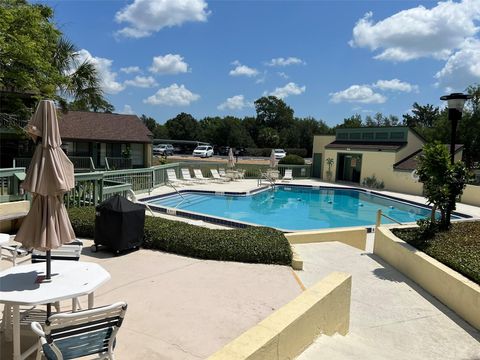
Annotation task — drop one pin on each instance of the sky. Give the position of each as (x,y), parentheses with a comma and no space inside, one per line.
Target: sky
(325,59)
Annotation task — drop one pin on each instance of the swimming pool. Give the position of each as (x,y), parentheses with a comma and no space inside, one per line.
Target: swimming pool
(293,208)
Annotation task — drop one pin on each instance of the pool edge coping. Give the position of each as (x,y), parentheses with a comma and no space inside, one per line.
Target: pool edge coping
(218,220)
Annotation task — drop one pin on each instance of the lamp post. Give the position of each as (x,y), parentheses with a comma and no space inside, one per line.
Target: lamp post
(455,101)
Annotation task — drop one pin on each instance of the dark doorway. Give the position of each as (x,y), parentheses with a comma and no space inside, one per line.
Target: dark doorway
(317,165)
(349,167)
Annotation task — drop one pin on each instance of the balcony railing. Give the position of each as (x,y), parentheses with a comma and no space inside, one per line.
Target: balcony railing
(91,188)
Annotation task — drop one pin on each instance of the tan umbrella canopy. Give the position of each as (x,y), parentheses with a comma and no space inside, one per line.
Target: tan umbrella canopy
(231,159)
(49,177)
(273,162)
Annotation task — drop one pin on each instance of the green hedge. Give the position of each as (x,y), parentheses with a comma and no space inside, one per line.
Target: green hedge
(83,221)
(292,160)
(266,152)
(252,245)
(458,248)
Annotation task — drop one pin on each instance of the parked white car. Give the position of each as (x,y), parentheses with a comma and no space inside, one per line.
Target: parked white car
(203,151)
(163,149)
(279,153)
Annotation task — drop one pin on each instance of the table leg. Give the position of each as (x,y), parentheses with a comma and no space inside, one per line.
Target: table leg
(7,322)
(16,332)
(90,300)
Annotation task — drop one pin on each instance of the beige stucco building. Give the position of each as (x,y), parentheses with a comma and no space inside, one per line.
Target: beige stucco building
(388,153)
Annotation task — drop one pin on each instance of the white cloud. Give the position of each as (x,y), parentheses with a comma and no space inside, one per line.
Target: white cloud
(130,69)
(173,95)
(127,110)
(145,17)
(109,82)
(462,68)
(142,82)
(290,89)
(236,102)
(168,64)
(358,94)
(243,70)
(283,75)
(285,61)
(395,85)
(419,32)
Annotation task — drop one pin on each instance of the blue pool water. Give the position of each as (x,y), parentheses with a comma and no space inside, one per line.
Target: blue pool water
(295,208)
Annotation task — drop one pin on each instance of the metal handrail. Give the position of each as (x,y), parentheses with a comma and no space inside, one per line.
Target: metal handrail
(379,218)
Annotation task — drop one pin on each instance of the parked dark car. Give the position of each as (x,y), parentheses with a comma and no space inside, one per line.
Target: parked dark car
(241,151)
(223,150)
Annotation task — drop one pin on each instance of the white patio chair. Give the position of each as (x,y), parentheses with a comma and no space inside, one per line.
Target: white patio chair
(81,333)
(288,175)
(216,176)
(172,178)
(187,178)
(199,176)
(222,172)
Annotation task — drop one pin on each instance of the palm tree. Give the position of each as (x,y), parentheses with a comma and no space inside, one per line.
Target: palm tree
(79,85)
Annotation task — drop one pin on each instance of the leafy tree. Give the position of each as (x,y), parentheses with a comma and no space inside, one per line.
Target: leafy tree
(35,59)
(273,112)
(380,120)
(183,127)
(354,121)
(422,116)
(442,181)
(149,122)
(469,127)
(268,138)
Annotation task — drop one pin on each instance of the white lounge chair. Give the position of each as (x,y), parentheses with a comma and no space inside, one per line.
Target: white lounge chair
(77,334)
(222,172)
(217,177)
(187,178)
(172,177)
(199,176)
(288,175)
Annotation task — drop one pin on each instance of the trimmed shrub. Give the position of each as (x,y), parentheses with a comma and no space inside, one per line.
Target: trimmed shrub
(259,151)
(300,152)
(292,160)
(372,182)
(266,152)
(251,245)
(458,247)
(83,221)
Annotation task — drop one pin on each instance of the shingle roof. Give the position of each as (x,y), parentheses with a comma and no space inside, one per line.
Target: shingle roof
(372,145)
(410,162)
(91,126)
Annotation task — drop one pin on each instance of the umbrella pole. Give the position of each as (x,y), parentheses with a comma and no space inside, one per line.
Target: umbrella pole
(48,261)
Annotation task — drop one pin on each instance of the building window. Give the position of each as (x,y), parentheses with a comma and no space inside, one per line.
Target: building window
(397,135)
(381,136)
(367,136)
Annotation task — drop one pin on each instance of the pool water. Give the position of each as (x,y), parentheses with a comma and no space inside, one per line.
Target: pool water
(295,208)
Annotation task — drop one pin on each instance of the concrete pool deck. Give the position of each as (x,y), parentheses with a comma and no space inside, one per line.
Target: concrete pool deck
(183,308)
(391,317)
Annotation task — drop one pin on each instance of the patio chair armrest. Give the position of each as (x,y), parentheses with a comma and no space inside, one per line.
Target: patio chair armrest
(37,329)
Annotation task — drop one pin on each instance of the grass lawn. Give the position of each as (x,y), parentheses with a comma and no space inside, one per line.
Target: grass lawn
(458,248)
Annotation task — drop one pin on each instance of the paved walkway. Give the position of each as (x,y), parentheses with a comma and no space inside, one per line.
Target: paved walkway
(391,316)
(184,308)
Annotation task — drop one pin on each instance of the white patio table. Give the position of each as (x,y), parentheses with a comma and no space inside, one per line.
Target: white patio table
(70,279)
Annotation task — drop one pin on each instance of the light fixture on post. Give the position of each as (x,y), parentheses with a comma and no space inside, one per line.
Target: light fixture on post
(455,101)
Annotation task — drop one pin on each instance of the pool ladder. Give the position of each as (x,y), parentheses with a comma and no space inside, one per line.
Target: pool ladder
(169,183)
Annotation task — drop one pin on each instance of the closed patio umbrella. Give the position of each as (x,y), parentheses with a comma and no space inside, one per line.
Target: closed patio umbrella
(231,159)
(49,177)
(273,162)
